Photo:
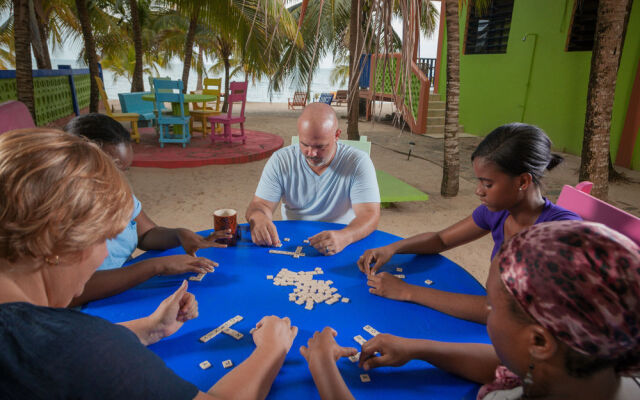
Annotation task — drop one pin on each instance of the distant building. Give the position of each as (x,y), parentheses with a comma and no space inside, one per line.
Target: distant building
(529,61)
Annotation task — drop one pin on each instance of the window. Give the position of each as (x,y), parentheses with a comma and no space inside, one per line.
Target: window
(488,30)
(583,25)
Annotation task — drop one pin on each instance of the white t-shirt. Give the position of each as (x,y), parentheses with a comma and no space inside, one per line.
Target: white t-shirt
(349,179)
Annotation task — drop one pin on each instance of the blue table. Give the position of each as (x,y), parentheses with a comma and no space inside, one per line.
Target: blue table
(239,286)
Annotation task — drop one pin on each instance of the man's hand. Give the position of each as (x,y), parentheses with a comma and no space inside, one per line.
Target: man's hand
(329,242)
(387,285)
(263,231)
(274,333)
(183,263)
(191,241)
(324,344)
(380,255)
(172,313)
(393,351)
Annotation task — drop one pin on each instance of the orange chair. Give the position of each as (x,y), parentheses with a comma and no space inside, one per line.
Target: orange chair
(200,112)
(120,117)
(299,100)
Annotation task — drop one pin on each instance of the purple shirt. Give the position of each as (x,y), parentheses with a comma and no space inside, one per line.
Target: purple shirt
(494,221)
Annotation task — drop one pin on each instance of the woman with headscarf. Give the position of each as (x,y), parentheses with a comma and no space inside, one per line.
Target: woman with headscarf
(564,322)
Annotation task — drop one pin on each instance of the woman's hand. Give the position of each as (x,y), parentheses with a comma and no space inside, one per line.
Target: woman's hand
(394,351)
(380,255)
(183,263)
(274,333)
(387,285)
(324,344)
(191,241)
(172,313)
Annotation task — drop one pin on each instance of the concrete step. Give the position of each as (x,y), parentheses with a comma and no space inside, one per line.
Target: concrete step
(435,113)
(435,120)
(435,129)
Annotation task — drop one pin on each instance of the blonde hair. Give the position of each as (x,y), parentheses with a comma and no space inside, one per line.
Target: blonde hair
(58,194)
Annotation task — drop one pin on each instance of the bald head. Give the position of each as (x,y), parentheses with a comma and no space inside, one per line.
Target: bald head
(319,133)
(317,120)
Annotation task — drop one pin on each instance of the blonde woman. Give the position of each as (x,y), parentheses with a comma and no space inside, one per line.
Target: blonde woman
(61,198)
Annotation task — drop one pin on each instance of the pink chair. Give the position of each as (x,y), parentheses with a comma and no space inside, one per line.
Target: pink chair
(590,208)
(14,115)
(238,95)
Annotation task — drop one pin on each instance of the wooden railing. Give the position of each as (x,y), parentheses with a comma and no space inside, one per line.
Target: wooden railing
(387,77)
(428,66)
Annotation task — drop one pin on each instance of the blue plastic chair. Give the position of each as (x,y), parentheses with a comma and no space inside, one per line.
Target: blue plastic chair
(168,91)
(326,98)
(133,103)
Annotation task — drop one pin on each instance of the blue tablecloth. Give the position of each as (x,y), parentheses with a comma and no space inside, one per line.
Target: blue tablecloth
(239,287)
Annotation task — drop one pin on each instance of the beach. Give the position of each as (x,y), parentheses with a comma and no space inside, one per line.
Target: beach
(187,197)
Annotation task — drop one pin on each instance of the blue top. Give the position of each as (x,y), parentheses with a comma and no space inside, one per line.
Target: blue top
(494,221)
(349,179)
(122,246)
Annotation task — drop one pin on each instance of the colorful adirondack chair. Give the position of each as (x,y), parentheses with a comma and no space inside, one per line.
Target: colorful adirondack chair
(299,100)
(171,92)
(14,115)
(326,98)
(133,103)
(238,95)
(578,200)
(341,97)
(200,112)
(121,116)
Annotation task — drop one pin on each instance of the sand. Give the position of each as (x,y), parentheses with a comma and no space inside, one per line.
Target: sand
(187,197)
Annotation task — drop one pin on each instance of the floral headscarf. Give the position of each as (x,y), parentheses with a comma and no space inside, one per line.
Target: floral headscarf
(581,281)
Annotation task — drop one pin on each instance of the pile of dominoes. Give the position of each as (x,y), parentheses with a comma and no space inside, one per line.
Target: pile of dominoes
(308,290)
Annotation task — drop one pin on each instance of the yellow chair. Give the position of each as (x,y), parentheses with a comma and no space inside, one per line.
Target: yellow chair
(120,117)
(200,112)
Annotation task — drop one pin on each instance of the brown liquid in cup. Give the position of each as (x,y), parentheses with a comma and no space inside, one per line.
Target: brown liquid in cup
(224,219)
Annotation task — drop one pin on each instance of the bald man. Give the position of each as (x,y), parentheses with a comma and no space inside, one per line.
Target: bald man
(317,180)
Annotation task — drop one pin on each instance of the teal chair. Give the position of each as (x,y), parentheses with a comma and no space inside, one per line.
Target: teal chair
(168,91)
(133,103)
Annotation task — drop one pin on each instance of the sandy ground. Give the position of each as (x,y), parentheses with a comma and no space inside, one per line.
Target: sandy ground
(187,197)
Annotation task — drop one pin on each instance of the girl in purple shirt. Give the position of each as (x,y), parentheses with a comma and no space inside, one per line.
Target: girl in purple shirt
(509,165)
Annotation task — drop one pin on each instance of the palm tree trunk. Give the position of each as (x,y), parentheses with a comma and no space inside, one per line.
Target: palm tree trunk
(22,43)
(38,37)
(90,53)
(200,67)
(451,165)
(188,49)
(227,68)
(137,83)
(605,60)
(354,93)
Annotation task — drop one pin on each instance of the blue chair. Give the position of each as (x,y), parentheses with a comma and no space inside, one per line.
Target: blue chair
(326,98)
(133,103)
(168,91)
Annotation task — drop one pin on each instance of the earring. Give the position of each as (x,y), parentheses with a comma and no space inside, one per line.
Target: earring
(528,381)
(520,188)
(53,260)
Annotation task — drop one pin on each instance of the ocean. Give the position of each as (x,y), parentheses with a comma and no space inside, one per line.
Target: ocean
(257,92)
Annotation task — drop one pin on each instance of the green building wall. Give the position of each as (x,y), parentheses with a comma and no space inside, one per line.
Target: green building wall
(536,81)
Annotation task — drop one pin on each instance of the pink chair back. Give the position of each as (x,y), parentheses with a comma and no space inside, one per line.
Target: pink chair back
(238,95)
(14,115)
(593,209)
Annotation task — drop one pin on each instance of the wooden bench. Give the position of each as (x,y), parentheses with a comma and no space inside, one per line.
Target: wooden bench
(299,100)
(14,115)
(133,103)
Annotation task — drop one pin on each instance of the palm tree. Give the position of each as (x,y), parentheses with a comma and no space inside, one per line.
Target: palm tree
(90,52)
(137,84)
(22,43)
(451,165)
(611,25)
